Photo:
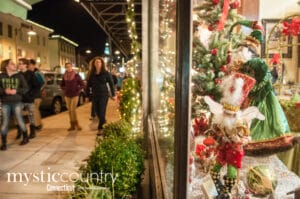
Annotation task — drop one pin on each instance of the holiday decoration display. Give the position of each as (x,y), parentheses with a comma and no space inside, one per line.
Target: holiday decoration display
(204,154)
(230,128)
(166,112)
(212,48)
(261,180)
(130,100)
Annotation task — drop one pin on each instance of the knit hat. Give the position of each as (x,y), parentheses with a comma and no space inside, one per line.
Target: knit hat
(235,88)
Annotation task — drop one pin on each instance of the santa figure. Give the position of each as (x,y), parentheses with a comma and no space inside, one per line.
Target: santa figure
(230,128)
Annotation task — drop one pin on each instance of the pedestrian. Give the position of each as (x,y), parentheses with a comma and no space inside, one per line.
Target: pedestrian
(71,85)
(28,98)
(99,82)
(89,94)
(38,94)
(12,87)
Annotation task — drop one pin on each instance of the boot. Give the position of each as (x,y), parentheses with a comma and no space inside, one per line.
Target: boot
(216,178)
(72,127)
(19,132)
(25,138)
(32,131)
(77,126)
(4,141)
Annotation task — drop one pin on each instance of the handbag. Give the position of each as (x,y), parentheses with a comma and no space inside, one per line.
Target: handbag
(108,89)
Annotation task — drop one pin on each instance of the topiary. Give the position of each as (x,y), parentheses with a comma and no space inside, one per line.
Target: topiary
(121,129)
(123,160)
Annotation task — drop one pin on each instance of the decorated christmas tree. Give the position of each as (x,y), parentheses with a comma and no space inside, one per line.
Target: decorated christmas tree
(130,101)
(212,47)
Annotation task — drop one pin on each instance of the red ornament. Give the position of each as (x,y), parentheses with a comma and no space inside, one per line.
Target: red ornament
(214,51)
(223,68)
(210,27)
(200,151)
(235,4)
(215,2)
(209,141)
(292,28)
(218,81)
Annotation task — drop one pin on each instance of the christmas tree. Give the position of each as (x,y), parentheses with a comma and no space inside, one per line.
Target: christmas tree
(212,47)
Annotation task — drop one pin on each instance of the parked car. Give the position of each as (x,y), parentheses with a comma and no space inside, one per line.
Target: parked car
(52,95)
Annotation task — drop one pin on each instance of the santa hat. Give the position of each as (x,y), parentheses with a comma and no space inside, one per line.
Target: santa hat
(256,36)
(235,88)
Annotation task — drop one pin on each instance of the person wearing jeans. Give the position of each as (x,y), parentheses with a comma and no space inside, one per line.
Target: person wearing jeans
(97,82)
(28,98)
(71,85)
(12,87)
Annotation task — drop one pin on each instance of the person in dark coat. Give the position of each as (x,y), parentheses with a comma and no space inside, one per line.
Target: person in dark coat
(12,87)
(28,99)
(99,82)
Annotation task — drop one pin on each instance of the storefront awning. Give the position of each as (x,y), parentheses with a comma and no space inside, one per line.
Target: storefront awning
(111,17)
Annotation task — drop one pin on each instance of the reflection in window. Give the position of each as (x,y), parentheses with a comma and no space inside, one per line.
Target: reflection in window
(166,111)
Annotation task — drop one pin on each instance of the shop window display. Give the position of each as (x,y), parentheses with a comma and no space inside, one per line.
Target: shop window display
(221,52)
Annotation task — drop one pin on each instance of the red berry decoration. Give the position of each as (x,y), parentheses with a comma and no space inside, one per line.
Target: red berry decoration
(214,51)
(215,2)
(223,68)
(218,81)
(210,27)
(235,4)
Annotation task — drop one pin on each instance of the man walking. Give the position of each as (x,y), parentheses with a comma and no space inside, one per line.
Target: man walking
(12,87)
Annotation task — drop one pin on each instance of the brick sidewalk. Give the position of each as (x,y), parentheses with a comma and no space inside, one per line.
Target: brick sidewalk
(55,153)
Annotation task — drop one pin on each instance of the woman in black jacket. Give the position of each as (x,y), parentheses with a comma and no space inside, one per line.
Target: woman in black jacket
(99,82)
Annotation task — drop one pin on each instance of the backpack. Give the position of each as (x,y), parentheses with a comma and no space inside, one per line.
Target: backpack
(39,78)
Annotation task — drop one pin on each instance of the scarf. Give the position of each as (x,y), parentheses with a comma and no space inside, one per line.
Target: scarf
(69,75)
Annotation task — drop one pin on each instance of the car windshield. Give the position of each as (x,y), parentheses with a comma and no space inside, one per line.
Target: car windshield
(49,79)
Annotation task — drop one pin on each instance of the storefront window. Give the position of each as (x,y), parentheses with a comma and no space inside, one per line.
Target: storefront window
(232,133)
(163,47)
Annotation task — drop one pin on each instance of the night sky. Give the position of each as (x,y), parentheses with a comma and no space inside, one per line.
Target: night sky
(68,18)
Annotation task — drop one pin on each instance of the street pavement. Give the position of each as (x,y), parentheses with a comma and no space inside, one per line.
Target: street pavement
(47,165)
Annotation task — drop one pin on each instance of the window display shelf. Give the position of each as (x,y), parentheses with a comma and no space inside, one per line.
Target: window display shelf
(287,180)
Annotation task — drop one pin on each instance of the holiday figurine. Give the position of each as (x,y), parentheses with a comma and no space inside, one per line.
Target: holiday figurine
(230,128)
(273,134)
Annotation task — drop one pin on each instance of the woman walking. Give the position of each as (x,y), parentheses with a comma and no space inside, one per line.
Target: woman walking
(71,85)
(99,82)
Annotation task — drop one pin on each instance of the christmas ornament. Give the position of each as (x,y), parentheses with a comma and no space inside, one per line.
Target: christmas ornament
(292,28)
(200,125)
(261,180)
(214,51)
(223,68)
(235,4)
(215,2)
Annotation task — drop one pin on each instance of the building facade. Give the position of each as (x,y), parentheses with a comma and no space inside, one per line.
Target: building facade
(23,38)
(61,51)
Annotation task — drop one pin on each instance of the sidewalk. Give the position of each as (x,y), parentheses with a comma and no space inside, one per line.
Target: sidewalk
(51,159)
